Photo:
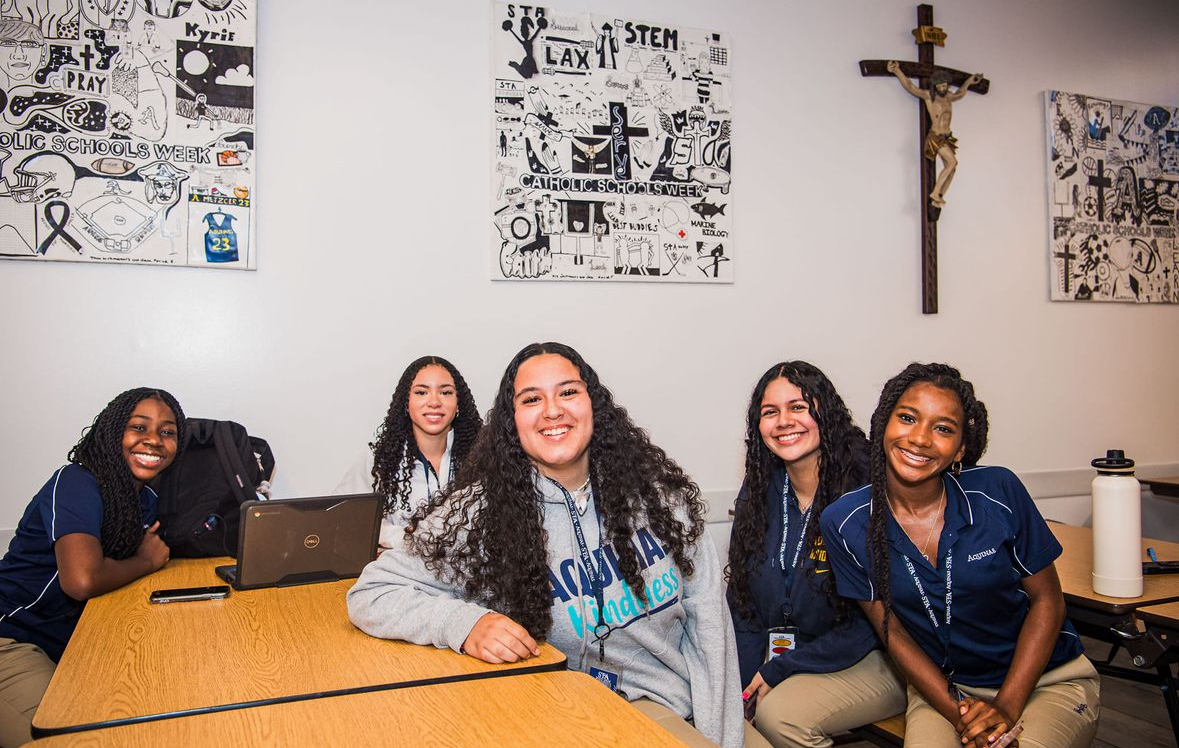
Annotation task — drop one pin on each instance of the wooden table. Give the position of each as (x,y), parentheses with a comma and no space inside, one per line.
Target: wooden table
(1075,567)
(543,710)
(1115,620)
(130,660)
(1163,617)
(1166,487)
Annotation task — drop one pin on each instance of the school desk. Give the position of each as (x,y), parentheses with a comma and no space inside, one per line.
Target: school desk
(1075,567)
(541,710)
(1115,620)
(129,659)
(1157,647)
(1164,487)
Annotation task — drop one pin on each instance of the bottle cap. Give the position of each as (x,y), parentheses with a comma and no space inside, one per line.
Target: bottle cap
(1115,461)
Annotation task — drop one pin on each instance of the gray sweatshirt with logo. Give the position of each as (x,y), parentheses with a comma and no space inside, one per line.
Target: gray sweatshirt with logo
(677,649)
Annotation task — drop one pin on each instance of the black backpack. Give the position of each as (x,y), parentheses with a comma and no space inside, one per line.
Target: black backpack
(219,467)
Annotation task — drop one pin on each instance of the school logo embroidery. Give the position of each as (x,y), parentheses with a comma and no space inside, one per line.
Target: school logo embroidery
(980,555)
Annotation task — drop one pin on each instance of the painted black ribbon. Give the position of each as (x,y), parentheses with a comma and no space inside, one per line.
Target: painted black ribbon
(59,227)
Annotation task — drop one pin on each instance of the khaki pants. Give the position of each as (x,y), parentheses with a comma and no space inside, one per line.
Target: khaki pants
(684,732)
(1061,713)
(24,675)
(805,709)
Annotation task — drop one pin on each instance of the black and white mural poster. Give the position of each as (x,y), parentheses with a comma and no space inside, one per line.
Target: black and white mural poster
(128,131)
(1113,199)
(612,149)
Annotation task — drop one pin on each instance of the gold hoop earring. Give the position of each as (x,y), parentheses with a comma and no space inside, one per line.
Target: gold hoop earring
(956,468)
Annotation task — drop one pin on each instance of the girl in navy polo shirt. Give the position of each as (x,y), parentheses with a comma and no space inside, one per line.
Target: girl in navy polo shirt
(954,567)
(802,451)
(90,529)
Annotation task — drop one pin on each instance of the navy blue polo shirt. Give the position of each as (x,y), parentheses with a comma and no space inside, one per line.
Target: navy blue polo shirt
(799,591)
(33,608)
(993,537)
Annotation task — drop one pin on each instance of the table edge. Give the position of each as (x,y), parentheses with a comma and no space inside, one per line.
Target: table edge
(1116,608)
(45,732)
(1154,619)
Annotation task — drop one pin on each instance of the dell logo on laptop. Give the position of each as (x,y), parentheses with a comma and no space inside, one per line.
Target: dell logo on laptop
(311,541)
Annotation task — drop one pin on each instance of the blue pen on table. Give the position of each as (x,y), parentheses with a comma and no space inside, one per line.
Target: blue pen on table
(1153,556)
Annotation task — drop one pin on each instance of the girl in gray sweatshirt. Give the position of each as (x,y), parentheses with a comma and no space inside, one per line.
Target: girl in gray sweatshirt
(567,525)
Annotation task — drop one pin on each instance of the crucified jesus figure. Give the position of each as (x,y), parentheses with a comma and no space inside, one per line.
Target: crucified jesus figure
(940,143)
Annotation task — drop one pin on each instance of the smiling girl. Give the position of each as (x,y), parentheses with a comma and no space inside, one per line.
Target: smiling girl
(568,525)
(953,565)
(90,529)
(430,427)
(802,451)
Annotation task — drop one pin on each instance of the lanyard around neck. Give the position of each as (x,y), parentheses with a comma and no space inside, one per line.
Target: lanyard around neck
(430,471)
(596,574)
(806,518)
(940,628)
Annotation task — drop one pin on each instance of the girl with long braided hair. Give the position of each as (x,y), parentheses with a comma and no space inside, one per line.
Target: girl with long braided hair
(426,436)
(90,529)
(953,565)
(567,524)
(802,452)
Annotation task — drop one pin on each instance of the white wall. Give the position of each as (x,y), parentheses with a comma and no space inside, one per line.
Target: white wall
(374,230)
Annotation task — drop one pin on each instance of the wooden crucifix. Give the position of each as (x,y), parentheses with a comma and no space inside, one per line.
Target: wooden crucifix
(936,141)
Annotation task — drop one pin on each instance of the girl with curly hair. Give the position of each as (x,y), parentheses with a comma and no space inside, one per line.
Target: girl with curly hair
(953,565)
(427,433)
(90,529)
(825,673)
(567,524)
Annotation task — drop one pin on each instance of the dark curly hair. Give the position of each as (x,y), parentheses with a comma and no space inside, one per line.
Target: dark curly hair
(488,529)
(843,458)
(395,451)
(100,450)
(974,439)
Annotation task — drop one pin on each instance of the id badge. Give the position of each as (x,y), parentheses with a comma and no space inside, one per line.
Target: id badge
(779,640)
(608,674)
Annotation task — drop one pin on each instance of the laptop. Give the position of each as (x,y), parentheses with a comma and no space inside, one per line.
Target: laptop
(286,542)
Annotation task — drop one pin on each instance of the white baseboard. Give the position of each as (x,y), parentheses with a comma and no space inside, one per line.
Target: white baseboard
(1051,484)
(1041,484)
(1062,495)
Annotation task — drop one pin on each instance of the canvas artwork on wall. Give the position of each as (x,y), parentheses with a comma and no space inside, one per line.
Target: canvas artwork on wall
(128,131)
(1113,176)
(611,149)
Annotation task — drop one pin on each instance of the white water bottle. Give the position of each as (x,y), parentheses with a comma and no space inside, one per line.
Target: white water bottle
(1117,527)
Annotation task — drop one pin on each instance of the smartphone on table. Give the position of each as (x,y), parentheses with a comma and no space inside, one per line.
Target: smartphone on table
(186,594)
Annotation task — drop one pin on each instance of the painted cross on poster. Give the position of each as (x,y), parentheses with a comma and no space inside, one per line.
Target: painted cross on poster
(612,154)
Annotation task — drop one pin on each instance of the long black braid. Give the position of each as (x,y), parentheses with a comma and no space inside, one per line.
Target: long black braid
(842,466)
(974,439)
(100,450)
(394,449)
(486,532)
